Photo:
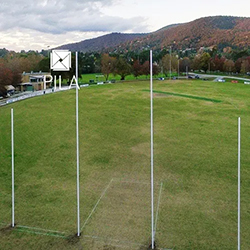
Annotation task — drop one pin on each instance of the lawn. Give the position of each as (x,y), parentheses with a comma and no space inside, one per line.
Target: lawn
(195,159)
(99,77)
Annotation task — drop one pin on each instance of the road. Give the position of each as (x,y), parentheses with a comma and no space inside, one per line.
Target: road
(220,76)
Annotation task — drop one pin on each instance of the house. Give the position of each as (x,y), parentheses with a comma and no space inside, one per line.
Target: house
(33,81)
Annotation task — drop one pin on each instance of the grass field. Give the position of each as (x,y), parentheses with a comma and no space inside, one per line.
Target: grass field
(99,77)
(195,153)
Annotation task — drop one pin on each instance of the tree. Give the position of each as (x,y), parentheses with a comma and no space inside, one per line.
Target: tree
(217,63)
(156,69)
(145,68)
(122,68)
(137,68)
(168,61)
(44,64)
(107,65)
(185,64)
(204,61)
(14,66)
(245,66)
(238,64)
(196,62)
(5,78)
(228,65)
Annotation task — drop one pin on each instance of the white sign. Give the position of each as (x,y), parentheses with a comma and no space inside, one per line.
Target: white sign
(60,60)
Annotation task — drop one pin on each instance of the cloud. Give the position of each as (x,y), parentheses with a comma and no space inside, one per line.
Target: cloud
(24,39)
(62,16)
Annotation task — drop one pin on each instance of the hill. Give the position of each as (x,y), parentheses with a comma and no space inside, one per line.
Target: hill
(102,42)
(220,31)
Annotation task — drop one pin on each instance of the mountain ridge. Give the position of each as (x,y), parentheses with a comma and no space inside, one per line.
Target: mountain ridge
(221,31)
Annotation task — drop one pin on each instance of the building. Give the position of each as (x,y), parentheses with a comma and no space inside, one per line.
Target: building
(33,81)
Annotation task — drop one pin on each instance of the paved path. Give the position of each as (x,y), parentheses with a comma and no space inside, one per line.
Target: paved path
(220,76)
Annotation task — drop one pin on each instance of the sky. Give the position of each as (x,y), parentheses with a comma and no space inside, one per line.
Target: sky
(44,24)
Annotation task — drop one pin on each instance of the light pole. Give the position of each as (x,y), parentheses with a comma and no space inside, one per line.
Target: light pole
(178,67)
(170,63)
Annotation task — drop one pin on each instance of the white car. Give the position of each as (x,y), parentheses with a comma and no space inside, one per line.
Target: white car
(221,80)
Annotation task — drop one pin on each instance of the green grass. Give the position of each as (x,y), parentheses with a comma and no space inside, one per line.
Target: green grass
(195,154)
(85,78)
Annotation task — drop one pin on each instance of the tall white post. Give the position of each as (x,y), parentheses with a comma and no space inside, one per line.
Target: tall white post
(152,149)
(12,163)
(77,153)
(178,68)
(239,183)
(170,70)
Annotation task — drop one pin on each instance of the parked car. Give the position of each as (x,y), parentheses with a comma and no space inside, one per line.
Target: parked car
(221,80)
(161,78)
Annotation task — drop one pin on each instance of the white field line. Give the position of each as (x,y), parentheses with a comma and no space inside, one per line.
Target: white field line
(39,233)
(93,210)
(158,206)
(135,182)
(40,229)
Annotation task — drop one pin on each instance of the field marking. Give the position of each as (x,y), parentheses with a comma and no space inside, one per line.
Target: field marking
(93,210)
(185,95)
(135,182)
(41,229)
(40,233)
(157,210)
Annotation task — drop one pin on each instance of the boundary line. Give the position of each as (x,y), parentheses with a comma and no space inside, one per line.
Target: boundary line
(41,229)
(40,233)
(158,207)
(93,210)
(135,182)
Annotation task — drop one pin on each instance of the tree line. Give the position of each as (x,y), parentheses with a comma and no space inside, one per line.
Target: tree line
(232,61)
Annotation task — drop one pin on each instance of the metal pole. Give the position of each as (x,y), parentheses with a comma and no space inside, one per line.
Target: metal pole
(77,153)
(178,68)
(239,183)
(170,63)
(12,159)
(152,149)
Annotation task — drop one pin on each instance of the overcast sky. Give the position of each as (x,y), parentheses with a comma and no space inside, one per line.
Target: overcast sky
(37,24)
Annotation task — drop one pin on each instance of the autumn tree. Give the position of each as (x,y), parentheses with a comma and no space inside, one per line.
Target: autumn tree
(15,67)
(245,65)
(228,65)
(5,78)
(217,63)
(137,68)
(145,68)
(107,65)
